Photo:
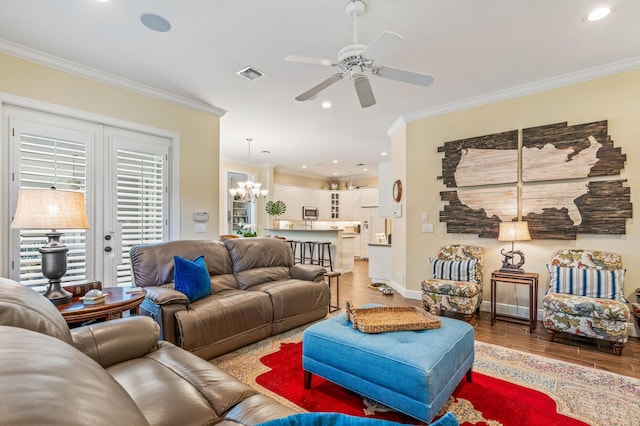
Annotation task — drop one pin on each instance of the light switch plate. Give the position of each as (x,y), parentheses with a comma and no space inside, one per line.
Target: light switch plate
(200,228)
(427,227)
(425,216)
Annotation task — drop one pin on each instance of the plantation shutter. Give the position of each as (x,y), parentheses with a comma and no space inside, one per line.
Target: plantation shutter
(51,156)
(141,201)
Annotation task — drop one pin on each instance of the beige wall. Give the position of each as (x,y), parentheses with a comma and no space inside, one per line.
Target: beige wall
(399,224)
(291,179)
(199,131)
(615,98)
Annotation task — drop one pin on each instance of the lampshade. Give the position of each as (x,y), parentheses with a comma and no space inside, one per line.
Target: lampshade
(50,209)
(514,231)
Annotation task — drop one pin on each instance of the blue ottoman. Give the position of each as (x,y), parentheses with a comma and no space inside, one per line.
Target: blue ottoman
(413,372)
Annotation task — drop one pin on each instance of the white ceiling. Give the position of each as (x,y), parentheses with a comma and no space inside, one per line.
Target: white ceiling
(477,51)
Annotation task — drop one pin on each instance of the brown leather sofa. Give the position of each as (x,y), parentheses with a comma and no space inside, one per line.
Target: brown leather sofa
(110,373)
(256,291)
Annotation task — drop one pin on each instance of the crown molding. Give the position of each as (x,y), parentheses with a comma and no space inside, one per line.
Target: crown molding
(526,89)
(51,61)
(400,121)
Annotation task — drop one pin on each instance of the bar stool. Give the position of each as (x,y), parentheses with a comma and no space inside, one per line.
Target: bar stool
(328,276)
(308,249)
(297,247)
(322,249)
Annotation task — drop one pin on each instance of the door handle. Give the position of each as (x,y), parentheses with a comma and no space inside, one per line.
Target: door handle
(108,249)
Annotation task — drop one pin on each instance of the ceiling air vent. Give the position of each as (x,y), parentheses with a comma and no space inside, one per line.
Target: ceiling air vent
(250,73)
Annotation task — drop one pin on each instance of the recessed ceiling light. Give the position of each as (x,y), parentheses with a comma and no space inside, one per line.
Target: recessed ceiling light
(155,22)
(383,153)
(326,105)
(335,161)
(365,169)
(598,14)
(304,166)
(335,173)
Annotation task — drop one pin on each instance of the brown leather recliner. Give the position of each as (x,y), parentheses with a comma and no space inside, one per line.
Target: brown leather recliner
(114,372)
(256,291)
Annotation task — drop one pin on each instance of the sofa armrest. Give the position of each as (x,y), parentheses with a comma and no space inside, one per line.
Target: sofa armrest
(307,272)
(161,304)
(112,342)
(165,296)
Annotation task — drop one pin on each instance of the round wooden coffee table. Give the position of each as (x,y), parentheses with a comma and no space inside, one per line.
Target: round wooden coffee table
(116,302)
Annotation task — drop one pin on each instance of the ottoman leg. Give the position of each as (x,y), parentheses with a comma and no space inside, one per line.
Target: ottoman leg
(307,380)
(469,376)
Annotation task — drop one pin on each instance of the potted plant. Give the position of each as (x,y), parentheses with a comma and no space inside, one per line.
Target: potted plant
(275,208)
(249,230)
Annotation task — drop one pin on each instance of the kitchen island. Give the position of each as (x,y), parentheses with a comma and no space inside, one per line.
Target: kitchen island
(342,246)
(380,263)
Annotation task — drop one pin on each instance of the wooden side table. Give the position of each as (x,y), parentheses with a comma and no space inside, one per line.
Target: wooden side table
(116,302)
(329,276)
(527,278)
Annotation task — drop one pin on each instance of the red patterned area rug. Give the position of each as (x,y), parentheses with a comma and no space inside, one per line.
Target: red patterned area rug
(508,388)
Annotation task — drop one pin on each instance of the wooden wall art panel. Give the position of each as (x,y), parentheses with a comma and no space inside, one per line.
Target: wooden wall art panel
(478,156)
(558,151)
(557,197)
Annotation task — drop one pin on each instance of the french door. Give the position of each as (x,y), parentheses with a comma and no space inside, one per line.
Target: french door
(137,196)
(124,175)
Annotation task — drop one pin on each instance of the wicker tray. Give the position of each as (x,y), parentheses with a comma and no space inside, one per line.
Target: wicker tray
(391,318)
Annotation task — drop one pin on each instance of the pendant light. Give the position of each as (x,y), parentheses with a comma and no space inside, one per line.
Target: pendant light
(248,191)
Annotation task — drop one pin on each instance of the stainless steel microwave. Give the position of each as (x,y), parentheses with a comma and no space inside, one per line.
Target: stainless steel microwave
(310,213)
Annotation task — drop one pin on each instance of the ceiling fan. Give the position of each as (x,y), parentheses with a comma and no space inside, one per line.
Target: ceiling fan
(356,60)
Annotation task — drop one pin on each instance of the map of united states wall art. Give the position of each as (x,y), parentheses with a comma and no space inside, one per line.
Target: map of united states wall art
(564,180)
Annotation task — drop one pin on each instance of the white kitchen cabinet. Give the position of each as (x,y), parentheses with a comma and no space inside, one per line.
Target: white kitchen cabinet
(334,205)
(369,197)
(356,246)
(293,197)
(350,205)
(322,200)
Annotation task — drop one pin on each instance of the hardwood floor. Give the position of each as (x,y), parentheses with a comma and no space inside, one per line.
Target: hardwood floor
(588,352)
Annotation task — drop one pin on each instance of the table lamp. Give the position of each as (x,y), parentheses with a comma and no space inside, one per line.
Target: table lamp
(55,210)
(513,231)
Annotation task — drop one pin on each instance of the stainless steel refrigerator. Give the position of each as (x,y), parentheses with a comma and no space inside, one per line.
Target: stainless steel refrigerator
(371,225)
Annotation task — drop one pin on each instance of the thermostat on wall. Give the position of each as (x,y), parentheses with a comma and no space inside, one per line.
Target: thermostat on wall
(200,216)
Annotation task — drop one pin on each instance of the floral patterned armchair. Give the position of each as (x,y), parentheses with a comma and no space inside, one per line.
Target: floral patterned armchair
(455,280)
(585,296)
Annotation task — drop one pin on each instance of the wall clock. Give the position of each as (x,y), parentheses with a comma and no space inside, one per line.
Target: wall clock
(397,190)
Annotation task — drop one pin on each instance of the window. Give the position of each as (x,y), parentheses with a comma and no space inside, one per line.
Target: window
(126,189)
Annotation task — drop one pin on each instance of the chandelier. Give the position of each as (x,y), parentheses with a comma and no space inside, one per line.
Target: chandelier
(248,191)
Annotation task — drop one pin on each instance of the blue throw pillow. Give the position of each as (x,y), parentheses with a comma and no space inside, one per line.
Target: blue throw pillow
(191,277)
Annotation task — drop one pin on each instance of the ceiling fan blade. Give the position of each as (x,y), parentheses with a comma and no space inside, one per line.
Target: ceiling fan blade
(364,91)
(383,43)
(404,75)
(319,87)
(308,60)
